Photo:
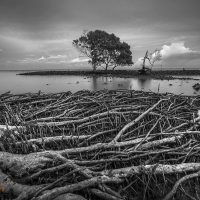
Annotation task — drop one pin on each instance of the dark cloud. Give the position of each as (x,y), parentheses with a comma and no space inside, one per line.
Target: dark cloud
(47,27)
(41,14)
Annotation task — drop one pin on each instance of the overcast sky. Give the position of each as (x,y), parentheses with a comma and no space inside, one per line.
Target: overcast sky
(39,33)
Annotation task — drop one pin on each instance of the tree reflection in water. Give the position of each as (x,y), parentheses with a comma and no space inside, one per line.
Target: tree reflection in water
(144,82)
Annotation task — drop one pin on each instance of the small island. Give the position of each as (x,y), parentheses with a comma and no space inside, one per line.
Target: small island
(156,74)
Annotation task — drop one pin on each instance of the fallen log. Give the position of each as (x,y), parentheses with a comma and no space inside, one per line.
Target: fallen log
(15,189)
(19,164)
(177,184)
(78,186)
(155,169)
(45,140)
(136,120)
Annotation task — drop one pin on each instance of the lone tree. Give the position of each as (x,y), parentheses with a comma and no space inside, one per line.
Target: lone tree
(103,49)
(152,58)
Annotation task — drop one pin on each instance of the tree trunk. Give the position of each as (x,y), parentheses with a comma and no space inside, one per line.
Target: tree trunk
(145,57)
(106,67)
(22,164)
(143,71)
(8,186)
(94,66)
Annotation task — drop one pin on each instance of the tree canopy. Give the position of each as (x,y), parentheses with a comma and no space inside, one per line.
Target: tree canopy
(103,49)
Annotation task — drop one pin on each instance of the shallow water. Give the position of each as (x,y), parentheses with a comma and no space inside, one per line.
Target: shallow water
(9,81)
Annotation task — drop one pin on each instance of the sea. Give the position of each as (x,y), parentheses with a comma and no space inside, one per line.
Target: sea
(18,84)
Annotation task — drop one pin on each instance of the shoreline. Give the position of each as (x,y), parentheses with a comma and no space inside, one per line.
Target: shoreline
(164,74)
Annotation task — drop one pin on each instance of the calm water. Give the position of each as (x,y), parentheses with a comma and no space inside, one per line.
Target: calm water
(9,81)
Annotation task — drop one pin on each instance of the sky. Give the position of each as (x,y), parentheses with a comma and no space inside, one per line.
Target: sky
(38,34)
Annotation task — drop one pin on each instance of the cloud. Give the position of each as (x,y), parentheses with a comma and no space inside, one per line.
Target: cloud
(42,58)
(27,60)
(177,48)
(176,55)
(77,60)
(139,62)
(54,59)
(57,57)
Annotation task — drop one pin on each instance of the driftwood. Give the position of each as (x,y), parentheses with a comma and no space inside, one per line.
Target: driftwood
(110,145)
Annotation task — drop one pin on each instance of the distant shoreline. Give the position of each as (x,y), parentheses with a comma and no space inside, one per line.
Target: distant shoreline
(164,74)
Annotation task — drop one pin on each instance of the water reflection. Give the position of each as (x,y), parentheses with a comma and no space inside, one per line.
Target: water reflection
(94,82)
(144,82)
(109,83)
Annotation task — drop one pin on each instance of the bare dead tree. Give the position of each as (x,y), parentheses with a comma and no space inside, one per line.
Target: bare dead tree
(152,58)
